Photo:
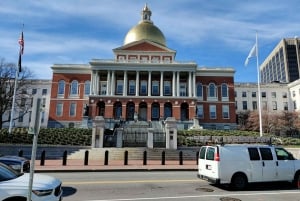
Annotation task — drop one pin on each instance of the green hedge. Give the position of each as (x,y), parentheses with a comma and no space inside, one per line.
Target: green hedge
(83,137)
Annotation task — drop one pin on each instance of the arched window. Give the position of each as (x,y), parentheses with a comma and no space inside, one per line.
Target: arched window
(212,91)
(224,91)
(74,88)
(199,90)
(87,87)
(61,87)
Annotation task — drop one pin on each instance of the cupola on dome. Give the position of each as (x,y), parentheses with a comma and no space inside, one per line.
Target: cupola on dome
(145,30)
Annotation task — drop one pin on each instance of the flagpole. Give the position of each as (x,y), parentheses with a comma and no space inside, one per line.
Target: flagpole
(18,68)
(258,88)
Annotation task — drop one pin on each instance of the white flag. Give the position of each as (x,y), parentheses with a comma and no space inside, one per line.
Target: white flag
(252,53)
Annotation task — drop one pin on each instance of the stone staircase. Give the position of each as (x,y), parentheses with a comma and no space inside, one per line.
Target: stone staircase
(134,153)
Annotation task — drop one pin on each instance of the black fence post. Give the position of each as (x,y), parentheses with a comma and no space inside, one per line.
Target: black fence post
(126,158)
(145,158)
(86,157)
(163,158)
(106,158)
(180,158)
(43,156)
(65,158)
(20,153)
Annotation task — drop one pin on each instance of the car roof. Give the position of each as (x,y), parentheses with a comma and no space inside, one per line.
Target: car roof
(14,158)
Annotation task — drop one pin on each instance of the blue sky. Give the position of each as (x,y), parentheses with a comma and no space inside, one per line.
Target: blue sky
(218,33)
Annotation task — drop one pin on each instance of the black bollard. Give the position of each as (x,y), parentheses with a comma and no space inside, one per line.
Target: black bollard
(163,158)
(106,158)
(126,158)
(65,158)
(20,153)
(197,156)
(86,157)
(43,156)
(180,158)
(145,158)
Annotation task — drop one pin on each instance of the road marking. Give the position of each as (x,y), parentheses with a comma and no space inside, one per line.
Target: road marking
(127,182)
(201,196)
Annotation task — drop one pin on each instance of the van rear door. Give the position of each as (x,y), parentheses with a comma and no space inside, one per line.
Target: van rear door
(208,163)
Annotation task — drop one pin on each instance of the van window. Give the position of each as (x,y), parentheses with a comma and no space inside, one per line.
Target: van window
(210,154)
(253,154)
(282,154)
(202,153)
(266,154)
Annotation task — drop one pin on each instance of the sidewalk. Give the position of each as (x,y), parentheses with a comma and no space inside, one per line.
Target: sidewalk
(74,165)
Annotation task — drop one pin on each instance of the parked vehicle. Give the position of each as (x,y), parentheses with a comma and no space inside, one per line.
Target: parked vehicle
(14,186)
(239,165)
(18,163)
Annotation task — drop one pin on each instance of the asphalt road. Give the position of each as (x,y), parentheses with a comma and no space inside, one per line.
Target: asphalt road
(163,186)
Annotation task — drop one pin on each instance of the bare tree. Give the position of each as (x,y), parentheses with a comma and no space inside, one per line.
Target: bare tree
(7,85)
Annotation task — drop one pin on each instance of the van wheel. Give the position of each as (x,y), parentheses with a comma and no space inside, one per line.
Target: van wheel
(297,180)
(239,181)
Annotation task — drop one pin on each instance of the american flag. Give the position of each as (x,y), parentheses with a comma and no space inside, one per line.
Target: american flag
(21,43)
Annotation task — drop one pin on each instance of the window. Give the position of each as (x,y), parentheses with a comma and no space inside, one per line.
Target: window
(285,106)
(224,92)
(119,87)
(23,102)
(61,87)
(254,105)
(167,88)
(59,109)
(274,105)
(295,105)
(284,95)
(42,117)
(182,89)
(253,94)
(131,90)
(210,154)
(199,90)
(263,94)
(225,111)
(273,94)
(212,91)
(266,153)
(282,154)
(155,88)
(21,115)
(103,87)
(253,154)
(294,93)
(74,88)
(212,112)
(244,94)
(44,92)
(143,88)
(199,111)
(202,153)
(87,87)
(73,109)
(34,91)
(245,105)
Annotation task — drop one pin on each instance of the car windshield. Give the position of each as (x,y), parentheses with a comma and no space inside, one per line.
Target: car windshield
(7,173)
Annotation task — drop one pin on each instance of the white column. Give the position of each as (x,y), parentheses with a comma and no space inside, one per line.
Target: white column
(161,83)
(194,83)
(97,82)
(190,84)
(178,85)
(92,89)
(108,83)
(125,84)
(149,83)
(174,84)
(113,81)
(137,83)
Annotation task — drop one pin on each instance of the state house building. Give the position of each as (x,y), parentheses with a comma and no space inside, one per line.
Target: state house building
(143,82)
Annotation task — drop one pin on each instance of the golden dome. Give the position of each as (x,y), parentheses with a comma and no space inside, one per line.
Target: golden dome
(145,30)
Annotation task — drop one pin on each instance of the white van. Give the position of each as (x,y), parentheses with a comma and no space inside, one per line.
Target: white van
(241,164)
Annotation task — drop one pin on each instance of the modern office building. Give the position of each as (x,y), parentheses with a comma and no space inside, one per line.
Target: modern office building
(143,82)
(282,64)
